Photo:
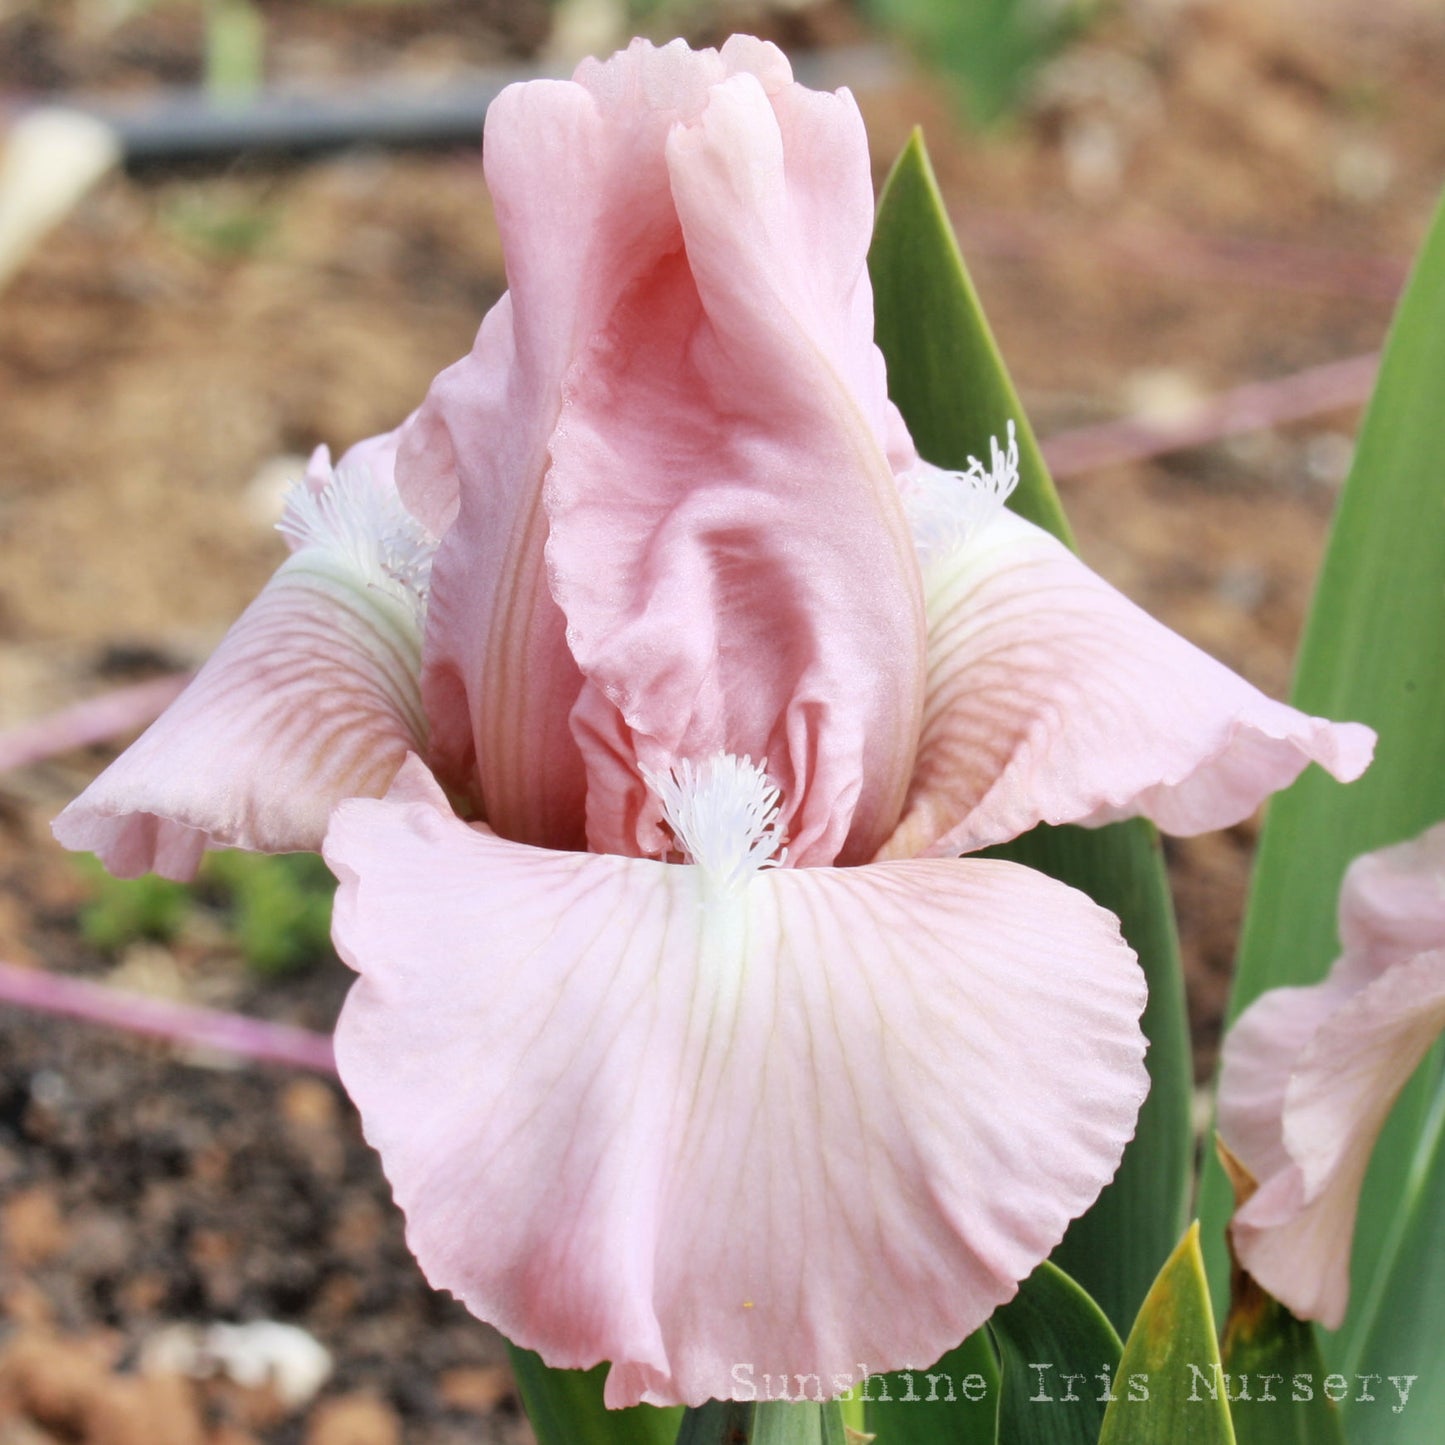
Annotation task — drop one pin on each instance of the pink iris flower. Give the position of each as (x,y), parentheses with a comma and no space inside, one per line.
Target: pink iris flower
(1309,1075)
(686,1039)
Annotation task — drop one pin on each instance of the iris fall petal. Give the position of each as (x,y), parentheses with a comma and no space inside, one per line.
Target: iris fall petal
(828,1118)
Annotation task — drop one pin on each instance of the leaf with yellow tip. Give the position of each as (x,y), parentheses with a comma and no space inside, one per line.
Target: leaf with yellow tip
(1171,1385)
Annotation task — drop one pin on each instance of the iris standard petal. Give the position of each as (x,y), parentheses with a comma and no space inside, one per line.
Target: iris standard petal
(1053,698)
(820,1118)
(725,445)
(311,697)
(578,180)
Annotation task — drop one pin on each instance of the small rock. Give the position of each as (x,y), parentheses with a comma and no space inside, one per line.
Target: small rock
(285,1357)
(309,1104)
(264,1357)
(359,1419)
(1328,457)
(1162,396)
(229,1435)
(54,1381)
(34,1231)
(475,1389)
(1364,171)
(145,1410)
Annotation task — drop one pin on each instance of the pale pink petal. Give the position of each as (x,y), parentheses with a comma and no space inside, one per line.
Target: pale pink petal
(597,184)
(1052,698)
(829,1118)
(1259,1053)
(579,186)
(1294,1235)
(1392,905)
(1310,1074)
(311,697)
(724,447)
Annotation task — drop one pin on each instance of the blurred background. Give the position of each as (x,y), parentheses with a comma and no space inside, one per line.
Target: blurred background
(1188,220)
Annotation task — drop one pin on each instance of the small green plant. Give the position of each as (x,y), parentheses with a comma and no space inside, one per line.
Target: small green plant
(235,49)
(279,907)
(276,909)
(220,226)
(989,49)
(123,910)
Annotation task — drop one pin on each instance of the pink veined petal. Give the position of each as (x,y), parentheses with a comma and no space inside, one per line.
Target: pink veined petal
(724,445)
(1260,1052)
(1052,698)
(830,1118)
(1310,1074)
(1392,905)
(578,180)
(1295,1234)
(311,697)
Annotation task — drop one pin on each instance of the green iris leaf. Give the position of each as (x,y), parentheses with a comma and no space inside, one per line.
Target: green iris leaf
(946,376)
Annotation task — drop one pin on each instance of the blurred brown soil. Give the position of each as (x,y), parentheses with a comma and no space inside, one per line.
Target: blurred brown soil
(181,333)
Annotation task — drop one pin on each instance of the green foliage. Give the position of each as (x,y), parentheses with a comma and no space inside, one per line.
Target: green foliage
(219,221)
(1059,1357)
(1170,1386)
(1372,652)
(124,910)
(564,1407)
(988,48)
(1403,1319)
(733,1423)
(1269,1348)
(945,371)
(948,379)
(915,1406)
(277,909)
(235,49)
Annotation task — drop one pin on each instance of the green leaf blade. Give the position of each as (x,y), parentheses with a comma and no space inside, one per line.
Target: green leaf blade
(1170,1386)
(1405,1325)
(1115,1250)
(564,1407)
(1372,653)
(734,1422)
(949,381)
(1059,1357)
(945,372)
(954,1403)
(1283,1400)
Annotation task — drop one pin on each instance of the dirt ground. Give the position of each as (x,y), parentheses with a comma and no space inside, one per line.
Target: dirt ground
(1199,194)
